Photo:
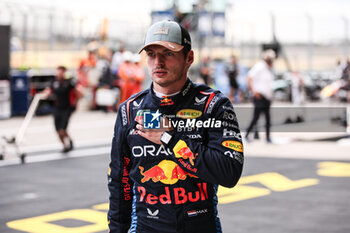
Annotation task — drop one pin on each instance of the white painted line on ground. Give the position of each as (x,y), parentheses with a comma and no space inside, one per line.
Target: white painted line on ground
(58,156)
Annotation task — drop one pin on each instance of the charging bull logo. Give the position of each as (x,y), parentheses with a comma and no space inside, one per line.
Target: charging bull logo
(155,173)
(166,101)
(167,172)
(181,150)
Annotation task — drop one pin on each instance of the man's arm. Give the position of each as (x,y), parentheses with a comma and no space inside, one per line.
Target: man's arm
(250,87)
(219,159)
(119,183)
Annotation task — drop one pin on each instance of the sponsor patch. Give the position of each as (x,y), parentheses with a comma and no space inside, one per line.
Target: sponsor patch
(150,150)
(231,134)
(152,214)
(199,101)
(181,150)
(188,113)
(184,92)
(166,101)
(161,30)
(212,103)
(193,213)
(229,124)
(139,115)
(235,155)
(124,117)
(229,116)
(180,195)
(167,172)
(234,145)
(137,105)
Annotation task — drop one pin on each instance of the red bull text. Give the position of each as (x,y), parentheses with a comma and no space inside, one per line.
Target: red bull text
(181,196)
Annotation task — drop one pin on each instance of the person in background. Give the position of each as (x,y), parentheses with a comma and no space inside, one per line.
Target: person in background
(204,70)
(233,71)
(85,72)
(66,94)
(105,79)
(139,73)
(130,77)
(117,59)
(260,82)
(85,65)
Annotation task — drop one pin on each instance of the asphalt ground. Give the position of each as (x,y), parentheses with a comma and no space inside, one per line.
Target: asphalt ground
(69,194)
(300,183)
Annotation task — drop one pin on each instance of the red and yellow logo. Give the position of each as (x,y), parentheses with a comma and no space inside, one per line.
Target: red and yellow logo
(167,172)
(188,114)
(181,150)
(166,101)
(234,145)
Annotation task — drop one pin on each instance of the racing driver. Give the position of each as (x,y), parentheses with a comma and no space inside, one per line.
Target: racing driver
(173,144)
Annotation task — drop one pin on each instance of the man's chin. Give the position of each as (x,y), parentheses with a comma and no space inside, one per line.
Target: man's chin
(163,82)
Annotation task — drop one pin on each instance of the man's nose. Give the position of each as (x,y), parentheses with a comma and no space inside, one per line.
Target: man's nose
(159,59)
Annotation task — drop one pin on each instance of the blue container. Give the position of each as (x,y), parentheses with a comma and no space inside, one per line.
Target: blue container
(20,94)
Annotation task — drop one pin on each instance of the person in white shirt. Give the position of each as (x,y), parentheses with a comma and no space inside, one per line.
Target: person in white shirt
(260,83)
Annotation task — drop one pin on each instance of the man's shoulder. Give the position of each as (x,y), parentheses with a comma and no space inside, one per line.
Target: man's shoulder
(202,89)
(128,107)
(208,96)
(135,97)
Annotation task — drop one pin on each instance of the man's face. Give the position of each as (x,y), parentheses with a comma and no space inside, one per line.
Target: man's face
(167,67)
(269,61)
(60,74)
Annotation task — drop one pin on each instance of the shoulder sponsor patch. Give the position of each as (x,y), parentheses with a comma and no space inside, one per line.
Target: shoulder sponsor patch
(212,103)
(137,104)
(199,101)
(124,116)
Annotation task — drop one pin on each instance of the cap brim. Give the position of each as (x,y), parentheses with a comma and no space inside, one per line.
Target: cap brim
(169,45)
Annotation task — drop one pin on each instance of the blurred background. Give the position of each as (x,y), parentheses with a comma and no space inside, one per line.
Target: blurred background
(310,38)
(298,183)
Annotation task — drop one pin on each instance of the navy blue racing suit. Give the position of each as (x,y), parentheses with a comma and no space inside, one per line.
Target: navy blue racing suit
(172,187)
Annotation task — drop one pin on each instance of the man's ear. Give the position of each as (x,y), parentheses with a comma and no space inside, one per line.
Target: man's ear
(189,58)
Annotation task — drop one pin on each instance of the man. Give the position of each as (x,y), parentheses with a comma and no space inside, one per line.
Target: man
(173,144)
(260,83)
(233,71)
(204,70)
(66,94)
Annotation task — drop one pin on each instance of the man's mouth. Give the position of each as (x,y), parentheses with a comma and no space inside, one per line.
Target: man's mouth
(160,72)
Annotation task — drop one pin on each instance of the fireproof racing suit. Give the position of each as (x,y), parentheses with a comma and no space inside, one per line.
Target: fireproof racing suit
(172,187)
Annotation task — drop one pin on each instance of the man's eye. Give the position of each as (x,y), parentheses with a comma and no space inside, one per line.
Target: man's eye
(150,54)
(170,54)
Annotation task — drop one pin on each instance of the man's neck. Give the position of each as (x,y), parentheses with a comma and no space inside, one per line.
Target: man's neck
(175,88)
(161,95)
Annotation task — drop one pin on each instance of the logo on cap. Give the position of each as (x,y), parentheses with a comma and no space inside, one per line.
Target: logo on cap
(187,41)
(161,30)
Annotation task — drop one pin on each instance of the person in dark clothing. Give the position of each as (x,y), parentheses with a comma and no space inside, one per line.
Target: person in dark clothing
(204,71)
(174,144)
(66,93)
(260,83)
(233,71)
